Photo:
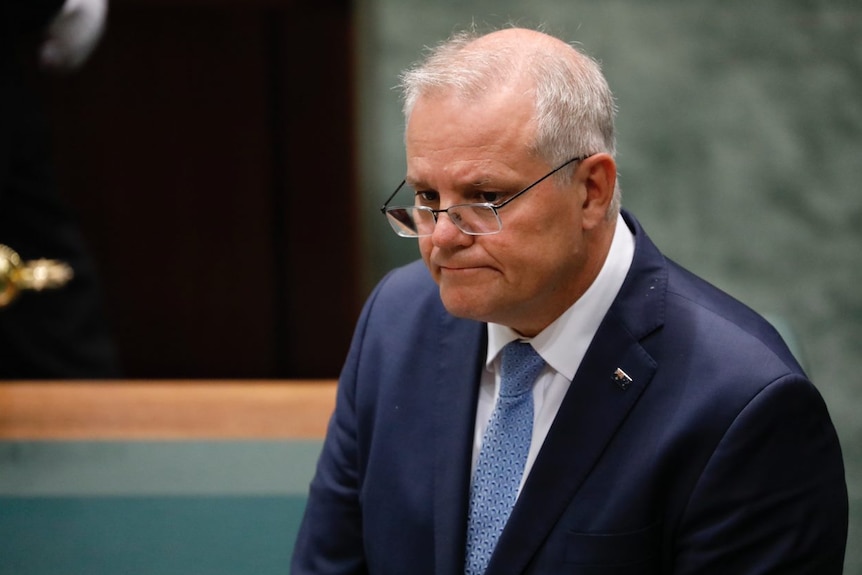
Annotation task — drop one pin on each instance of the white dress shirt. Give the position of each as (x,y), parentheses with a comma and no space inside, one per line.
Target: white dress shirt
(562,345)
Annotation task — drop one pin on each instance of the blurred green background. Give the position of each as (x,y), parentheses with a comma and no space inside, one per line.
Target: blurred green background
(740,151)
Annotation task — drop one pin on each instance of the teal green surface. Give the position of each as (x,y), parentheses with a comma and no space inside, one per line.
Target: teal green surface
(58,468)
(148,535)
(151,508)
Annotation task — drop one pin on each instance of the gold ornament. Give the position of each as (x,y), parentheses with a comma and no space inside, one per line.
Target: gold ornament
(36,275)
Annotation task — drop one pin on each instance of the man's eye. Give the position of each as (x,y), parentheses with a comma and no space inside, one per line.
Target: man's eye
(490,197)
(426,198)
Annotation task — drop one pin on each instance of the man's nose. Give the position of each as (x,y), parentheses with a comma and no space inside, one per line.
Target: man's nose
(446,233)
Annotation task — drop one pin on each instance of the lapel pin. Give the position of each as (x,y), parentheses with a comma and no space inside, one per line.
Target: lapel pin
(622,379)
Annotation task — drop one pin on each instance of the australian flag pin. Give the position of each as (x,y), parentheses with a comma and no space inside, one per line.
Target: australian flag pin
(622,379)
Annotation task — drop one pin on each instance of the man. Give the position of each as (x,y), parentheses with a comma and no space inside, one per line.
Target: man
(670,430)
(58,333)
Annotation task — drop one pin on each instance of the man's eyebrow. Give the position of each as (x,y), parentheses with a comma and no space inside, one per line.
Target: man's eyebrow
(482,181)
(478,182)
(412,182)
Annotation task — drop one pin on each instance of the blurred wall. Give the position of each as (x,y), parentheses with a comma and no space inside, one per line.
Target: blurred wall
(207,149)
(740,150)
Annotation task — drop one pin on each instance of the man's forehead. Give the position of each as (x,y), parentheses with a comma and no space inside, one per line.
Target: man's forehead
(467,174)
(454,121)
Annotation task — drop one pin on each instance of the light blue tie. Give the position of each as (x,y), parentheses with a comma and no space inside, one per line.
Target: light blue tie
(503,454)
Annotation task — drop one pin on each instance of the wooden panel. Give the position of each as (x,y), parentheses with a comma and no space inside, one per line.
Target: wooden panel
(204,148)
(320,233)
(141,410)
(163,149)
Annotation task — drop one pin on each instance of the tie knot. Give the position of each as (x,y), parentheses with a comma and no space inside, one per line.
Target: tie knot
(519,367)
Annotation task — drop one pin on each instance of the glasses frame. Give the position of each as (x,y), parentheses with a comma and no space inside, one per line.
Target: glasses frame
(385,208)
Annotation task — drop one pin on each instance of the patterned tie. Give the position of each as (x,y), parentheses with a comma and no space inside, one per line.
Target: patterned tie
(503,454)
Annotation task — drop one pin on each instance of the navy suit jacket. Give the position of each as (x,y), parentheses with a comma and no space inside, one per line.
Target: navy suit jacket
(718,458)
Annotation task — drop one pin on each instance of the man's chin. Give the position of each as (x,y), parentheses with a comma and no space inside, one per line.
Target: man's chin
(459,306)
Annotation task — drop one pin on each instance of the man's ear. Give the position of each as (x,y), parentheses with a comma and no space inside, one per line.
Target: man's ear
(600,180)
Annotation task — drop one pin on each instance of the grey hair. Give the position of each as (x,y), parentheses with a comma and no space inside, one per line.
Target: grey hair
(574,106)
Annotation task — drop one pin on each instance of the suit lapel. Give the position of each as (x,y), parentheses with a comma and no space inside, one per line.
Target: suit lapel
(460,356)
(593,409)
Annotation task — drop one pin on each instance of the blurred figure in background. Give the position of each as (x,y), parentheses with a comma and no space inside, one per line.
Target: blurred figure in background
(56,334)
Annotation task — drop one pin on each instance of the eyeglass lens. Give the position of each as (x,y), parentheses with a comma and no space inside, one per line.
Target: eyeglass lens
(420,221)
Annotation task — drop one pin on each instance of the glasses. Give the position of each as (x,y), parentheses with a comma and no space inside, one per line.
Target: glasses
(479,219)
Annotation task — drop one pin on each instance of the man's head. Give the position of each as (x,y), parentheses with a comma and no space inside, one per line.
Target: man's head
(486,117)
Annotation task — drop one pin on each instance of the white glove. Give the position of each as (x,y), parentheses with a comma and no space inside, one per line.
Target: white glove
(73,34)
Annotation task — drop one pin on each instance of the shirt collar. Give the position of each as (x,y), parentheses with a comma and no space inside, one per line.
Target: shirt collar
(565,341)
